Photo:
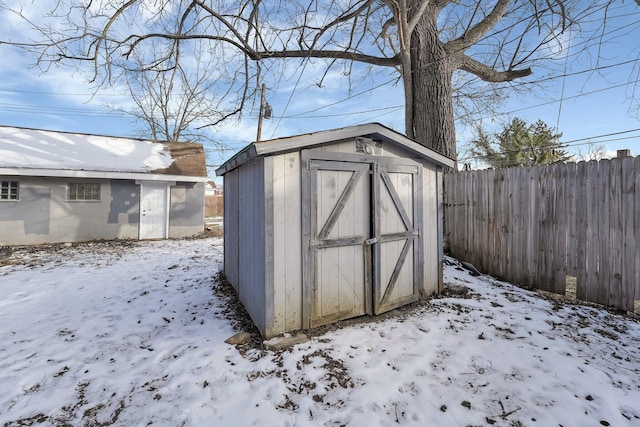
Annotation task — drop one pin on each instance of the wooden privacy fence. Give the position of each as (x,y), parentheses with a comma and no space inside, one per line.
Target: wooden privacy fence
(213,205)
(536,226)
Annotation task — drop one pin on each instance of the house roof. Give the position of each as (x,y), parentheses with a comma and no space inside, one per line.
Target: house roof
(375,131)
(25,151)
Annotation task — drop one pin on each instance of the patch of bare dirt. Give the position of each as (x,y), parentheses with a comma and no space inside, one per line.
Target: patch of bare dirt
(210,230)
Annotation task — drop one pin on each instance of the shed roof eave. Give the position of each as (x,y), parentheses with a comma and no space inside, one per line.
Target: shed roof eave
(66,173)
(279,145)
(242,156)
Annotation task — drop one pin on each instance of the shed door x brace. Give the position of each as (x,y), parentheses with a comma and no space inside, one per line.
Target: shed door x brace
(362,225)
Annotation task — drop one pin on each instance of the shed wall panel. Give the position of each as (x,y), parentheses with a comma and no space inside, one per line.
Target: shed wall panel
(287,242)
(231,227)
(430,229)
(251,243)
(346,146)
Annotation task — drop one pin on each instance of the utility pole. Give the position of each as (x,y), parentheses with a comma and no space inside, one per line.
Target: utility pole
(264,87)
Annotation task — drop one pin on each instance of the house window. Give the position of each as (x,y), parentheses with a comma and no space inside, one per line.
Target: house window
(8,190)
(83,191)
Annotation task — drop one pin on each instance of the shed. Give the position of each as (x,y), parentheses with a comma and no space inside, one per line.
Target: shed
(70,187)
(332,225)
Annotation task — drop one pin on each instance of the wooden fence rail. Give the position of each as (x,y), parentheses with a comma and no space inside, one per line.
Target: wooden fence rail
(536,226)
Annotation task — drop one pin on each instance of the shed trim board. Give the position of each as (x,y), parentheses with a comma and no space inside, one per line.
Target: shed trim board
(440,226)
(269,247)
(299,142)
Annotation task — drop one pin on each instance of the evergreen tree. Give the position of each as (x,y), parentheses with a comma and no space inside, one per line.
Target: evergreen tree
(519,144)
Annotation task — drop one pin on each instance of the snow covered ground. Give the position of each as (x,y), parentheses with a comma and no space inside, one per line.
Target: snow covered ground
(132,334)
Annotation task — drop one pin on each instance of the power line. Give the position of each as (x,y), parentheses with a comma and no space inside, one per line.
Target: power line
(349,98)
(40,92)
(569,97)
(59,111)
(601,136)
(297,116)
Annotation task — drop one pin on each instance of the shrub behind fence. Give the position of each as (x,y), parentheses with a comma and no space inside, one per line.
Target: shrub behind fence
(536,226)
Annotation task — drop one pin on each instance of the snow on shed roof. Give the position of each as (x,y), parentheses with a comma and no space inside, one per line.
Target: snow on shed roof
(375,131)
(26,149)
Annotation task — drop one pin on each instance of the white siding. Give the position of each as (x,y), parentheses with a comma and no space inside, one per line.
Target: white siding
(43,214)
(430,226)
(348,146)
(287,243)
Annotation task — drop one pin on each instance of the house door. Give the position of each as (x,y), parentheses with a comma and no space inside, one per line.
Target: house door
(153,210)
(362,227)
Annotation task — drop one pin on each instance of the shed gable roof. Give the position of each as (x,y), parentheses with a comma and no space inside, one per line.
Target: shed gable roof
(375,131)
(23,149)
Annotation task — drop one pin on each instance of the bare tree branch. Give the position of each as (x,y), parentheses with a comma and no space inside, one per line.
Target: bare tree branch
(489,74)
(475,33)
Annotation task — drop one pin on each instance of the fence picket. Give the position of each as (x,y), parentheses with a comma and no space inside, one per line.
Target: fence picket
(628,234)
(532,235)
(512,228)
(615,235)
(560,231)
(581,230)
(571,194)
(593,229)
(546,248)
(604,220)
(636,209)
(502,222)
(481,222)
(491,222)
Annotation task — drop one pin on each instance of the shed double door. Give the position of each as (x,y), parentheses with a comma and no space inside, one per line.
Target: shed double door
(362,222)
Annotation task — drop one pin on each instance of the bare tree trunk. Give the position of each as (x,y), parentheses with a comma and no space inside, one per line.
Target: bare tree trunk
(432,71)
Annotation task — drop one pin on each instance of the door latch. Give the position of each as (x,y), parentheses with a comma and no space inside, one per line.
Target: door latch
(371,241)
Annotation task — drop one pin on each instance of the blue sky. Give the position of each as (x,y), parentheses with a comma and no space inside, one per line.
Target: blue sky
(587,107)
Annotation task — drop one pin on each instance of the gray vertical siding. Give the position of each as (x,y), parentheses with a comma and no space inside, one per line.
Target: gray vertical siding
(251,241)
(232,227)
(186,212)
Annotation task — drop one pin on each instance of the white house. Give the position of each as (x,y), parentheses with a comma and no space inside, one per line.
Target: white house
(68,187)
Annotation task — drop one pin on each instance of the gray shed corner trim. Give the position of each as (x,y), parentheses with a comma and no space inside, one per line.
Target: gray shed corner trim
(298,142)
